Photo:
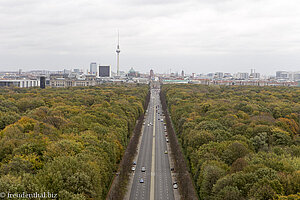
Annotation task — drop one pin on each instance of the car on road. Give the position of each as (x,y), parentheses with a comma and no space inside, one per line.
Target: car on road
(166,152)
(162,120)
(143,123)
(175,185)
(134,163)
(167,140)
(148,124)
(143,169)
(141,180)
(133,169)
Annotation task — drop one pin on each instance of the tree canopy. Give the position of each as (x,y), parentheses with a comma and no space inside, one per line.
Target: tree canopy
(67,141)
(240,142)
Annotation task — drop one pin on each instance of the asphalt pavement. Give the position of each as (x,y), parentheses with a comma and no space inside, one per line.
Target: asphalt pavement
(155,160)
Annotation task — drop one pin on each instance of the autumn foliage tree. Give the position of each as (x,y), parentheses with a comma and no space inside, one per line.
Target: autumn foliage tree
(241,142)
(67,141)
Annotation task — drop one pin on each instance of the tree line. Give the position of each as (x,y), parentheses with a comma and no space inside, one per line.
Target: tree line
(67,141)
(240,142)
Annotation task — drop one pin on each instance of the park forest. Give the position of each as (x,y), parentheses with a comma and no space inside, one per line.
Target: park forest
(67,141)
(240,142)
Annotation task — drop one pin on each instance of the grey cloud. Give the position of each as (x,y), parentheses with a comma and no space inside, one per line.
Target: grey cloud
(188,30)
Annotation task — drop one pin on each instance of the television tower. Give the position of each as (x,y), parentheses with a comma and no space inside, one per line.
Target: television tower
(118,56)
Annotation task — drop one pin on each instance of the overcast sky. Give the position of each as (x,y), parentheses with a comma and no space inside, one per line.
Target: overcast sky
(194,35)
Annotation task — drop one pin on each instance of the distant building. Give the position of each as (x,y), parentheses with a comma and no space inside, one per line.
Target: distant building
(242,76)
(104,71)
(22,83)
(67,71)
(175,81)
(151,73)
(133,73)
(76,71)
(62,81)
(42,82)
(285,75)
(182,73)
(255,75)
(219,75)
(282,75)
(93,68)
(297,76)
(210,75)
(122,73)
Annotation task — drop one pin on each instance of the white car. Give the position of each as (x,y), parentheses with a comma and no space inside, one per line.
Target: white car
(141,180)
(175,186)
(148,124)
(133,169)
(143,169)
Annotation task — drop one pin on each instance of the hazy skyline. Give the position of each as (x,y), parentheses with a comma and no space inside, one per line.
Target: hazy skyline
(194,35)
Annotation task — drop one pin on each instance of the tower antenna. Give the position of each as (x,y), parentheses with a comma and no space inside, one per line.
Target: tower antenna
(118,55)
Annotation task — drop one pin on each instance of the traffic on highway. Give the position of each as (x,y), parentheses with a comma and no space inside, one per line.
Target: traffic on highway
(152,173)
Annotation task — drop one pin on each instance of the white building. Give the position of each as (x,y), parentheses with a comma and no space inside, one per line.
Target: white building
(242,75)
(219,75)
(22,83)
(93,68)
(255,75)
(285,75)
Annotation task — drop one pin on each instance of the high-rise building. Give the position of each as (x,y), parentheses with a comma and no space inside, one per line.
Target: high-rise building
(93,68)
(151,73)
(282,75)
(104,71)
(182,73)
(242,75)
(42,82)
(254,74)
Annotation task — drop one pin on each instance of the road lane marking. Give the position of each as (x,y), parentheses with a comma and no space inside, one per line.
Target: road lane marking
(152,188)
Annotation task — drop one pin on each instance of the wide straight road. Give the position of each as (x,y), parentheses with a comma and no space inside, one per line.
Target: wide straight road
(153,156)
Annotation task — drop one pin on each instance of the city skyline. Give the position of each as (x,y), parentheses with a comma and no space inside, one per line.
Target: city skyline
(194,36)
(91,69)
